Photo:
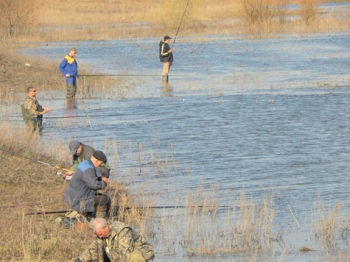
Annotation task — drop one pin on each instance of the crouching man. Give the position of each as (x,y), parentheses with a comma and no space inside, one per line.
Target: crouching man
(83,152)
(81,192)
(115,242)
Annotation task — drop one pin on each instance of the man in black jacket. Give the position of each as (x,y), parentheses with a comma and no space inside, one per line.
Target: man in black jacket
(166,57)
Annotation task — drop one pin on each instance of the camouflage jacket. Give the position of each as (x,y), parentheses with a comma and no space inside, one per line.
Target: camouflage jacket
(31,109)
(122,241)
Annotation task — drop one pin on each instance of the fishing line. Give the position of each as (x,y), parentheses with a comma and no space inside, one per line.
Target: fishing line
(117,75)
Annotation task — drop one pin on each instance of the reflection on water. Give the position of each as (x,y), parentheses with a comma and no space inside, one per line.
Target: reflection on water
(167,89)
(71,104)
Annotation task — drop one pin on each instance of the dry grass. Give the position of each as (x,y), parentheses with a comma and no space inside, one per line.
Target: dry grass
(30,186)
(200,228)
(89,20)
(328,224)
(18,72)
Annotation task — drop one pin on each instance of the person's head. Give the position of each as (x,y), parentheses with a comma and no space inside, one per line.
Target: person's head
(72,52)
(31,91)
(98,158)
(99,227)
(167,39)
(75,147)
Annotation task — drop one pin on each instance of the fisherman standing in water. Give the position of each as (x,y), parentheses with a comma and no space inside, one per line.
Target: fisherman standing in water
(32,111)
(166,57)
(69,68)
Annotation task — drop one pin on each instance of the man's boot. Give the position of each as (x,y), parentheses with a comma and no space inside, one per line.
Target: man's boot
(70,91)
(101,212)
(165,79)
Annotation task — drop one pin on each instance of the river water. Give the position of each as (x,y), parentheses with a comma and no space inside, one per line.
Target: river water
(271,116)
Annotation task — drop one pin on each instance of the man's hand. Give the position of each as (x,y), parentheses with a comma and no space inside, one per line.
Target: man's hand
(170,50)
(67,75)
(105,179)
(69,173)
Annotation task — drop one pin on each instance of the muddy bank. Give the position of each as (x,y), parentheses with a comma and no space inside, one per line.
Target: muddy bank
(17,72)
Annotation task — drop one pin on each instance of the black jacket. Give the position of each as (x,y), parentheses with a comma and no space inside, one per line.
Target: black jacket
(164,56)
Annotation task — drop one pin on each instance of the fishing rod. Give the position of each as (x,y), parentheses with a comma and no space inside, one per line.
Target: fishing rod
(171,207)
(47,212)
(117,75)
(180,22)
(35,160)
(127,207)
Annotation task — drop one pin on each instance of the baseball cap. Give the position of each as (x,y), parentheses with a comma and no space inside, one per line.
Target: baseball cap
(167,37)
(73,146)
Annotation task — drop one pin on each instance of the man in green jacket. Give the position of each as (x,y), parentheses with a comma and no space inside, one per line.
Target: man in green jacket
(115,242)
(83,152)
(32,111)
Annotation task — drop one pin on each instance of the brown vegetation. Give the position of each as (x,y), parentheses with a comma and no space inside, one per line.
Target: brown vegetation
(89,20)
(30,186)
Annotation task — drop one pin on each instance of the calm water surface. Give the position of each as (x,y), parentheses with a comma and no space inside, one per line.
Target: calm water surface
(271,116)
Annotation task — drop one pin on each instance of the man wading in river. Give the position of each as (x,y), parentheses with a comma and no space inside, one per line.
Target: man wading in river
(69,68)
(166,57)
(32,111)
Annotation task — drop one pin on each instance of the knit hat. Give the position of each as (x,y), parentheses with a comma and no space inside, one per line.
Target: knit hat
(99,155)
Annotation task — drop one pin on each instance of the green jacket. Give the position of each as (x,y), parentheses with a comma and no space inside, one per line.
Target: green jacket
(118,246)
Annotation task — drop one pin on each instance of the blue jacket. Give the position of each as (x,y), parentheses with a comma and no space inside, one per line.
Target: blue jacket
(69,65)
(81,190)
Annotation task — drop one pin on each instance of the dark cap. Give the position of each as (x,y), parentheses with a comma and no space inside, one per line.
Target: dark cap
(167,37)
(99,155)
(73,146)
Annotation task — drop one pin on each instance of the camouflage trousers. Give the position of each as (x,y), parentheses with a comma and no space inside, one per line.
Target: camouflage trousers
(71,90)
(35,125)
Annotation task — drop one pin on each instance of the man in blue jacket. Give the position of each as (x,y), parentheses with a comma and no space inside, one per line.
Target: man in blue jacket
(69,69)
(166,57)
(81,192)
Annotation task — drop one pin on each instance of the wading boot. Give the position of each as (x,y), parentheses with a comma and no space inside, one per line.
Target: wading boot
(101,212)
(165,79)
(71,90)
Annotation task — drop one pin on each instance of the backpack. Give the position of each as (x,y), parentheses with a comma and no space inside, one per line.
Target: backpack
(70,219)
(143,246)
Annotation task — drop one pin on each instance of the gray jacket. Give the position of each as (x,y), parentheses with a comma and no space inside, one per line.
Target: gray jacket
(81,190)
